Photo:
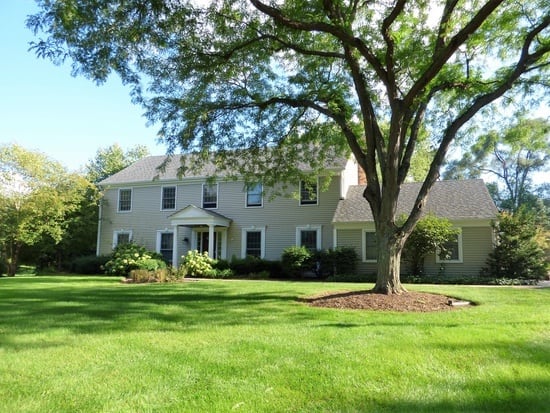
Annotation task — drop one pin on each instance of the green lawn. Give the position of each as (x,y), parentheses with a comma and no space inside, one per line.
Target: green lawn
(76,344)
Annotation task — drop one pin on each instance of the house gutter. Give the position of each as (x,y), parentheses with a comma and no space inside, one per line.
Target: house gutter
(100,216)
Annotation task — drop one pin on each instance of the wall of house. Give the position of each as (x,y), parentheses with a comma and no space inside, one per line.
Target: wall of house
(477,243)
(279,216)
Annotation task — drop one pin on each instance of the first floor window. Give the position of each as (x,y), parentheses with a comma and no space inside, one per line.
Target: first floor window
(451,251)
(309,237)
(253,242)
(124,200)
(371,247)
(166,245)
(122,237)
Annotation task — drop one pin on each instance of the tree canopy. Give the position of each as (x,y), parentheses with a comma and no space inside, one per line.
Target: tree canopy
(108,161)
(310,80)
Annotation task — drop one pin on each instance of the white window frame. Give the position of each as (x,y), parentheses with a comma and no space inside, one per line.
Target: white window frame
(243,240)
(121,231)
(301,203)
(162,197)
(159,238)
(217,195)
(317,228)
(364,244)
(261,196)
(460,259)
(125,211)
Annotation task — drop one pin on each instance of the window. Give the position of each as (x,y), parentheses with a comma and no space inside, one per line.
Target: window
(370,250)
(253,242)
(452,251)
(124,200)
(168,201)
(308,193)
(254,195)
(122,237)
(165,245)
(210,196)
(309,237)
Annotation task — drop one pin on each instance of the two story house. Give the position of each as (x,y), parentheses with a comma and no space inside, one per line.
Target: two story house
(228,219)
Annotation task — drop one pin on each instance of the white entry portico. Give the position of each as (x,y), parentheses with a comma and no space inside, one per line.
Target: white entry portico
(208,232)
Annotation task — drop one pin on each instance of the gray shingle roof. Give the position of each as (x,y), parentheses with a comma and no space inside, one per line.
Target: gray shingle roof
(146,170)
(453,200)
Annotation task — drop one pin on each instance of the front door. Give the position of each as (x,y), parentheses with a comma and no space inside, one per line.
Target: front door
(202,243)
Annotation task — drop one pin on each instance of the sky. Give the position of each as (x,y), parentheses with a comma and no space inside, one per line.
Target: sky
(43,108)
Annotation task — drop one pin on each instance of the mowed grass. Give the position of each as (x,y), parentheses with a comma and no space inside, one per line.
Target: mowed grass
(84,344)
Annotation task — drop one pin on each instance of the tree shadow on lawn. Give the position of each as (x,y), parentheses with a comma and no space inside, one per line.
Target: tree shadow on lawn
(94,307)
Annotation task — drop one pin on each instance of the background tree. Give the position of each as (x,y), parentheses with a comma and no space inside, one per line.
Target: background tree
(511,157)
(36,197)
(108,161)
(310,80)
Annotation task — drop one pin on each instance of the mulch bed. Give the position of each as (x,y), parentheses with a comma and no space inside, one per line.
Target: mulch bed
(367,300)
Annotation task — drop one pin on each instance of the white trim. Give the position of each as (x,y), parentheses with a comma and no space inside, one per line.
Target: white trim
(217,195)
(460,259)
(221,237)
(162,197)
(316,195)
(317,228)
(364,232)
(261,196)
(121,231)
(131,200)
(243,240)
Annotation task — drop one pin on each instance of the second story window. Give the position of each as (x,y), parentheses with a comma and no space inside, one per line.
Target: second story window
(210,196)
(124,200)
(308,193)
(254,195)
(168,201)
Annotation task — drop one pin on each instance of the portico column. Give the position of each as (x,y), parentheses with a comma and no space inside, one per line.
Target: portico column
(211,241)
(175,254)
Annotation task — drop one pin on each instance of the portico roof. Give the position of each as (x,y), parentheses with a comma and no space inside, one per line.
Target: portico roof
(192,215)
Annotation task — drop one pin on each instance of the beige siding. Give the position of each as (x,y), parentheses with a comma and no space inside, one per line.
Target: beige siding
(280,216)
(477,243)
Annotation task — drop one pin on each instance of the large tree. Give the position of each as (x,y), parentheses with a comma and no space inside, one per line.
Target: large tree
(309,79)
(509,157)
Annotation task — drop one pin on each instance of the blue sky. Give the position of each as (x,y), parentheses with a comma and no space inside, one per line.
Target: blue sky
(44,108)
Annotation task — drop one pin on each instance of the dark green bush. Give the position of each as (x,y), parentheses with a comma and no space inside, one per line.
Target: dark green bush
(296,260)
(89,265)
(338,261)
(243,267)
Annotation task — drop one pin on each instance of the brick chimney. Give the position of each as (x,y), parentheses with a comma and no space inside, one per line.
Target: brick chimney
(361,177)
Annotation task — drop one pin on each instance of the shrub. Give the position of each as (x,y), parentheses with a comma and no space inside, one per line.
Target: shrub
(89,265)
(517,253)
(127,257)
(338,261)
(250,267)
(151,264)
(198,264)
(295,260)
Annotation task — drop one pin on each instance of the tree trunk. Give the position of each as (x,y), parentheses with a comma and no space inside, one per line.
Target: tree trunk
(13,258)
(390,246)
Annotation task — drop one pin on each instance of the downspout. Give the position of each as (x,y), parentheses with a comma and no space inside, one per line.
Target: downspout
(100,216)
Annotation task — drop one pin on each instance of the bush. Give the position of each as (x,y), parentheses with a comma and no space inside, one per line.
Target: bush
(517,253)
(295,260)
(151,264)
(254,267)
(128,257)
(198,264)
(89,265)
(338,261)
